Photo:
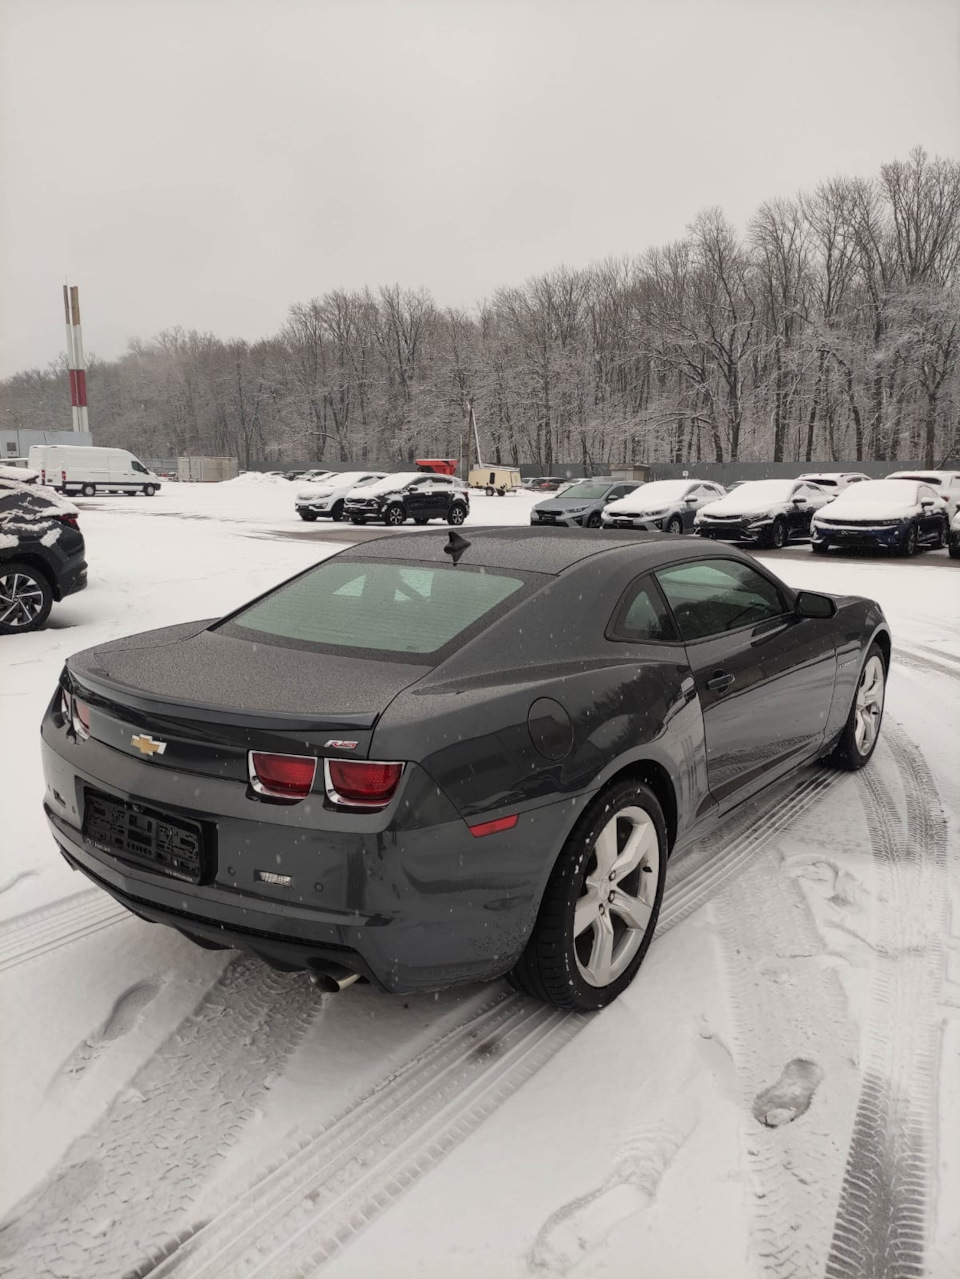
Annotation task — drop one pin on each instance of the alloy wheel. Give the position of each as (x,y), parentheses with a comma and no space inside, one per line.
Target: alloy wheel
(675,525)
(869,705)
(615,906)
(21,600)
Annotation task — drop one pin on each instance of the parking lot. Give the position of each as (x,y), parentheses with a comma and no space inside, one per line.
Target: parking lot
(819,927)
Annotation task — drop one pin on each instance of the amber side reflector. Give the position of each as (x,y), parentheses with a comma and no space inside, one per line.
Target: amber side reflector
(491,828)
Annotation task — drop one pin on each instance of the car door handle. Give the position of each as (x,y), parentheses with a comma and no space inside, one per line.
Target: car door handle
(720,681)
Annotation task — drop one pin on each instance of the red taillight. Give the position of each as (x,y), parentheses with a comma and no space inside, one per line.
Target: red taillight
(491,828)
(81,718)
(282,776)
(361,783)
(71,520)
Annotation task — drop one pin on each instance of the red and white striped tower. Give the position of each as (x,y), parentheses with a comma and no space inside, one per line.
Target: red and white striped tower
(75,358)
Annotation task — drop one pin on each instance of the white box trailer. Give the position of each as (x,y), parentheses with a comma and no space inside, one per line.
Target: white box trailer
(207,470)
(86,470)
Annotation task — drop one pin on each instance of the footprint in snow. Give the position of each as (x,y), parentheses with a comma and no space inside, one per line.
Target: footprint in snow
(580,1226)
(124,1016)
(790,1096)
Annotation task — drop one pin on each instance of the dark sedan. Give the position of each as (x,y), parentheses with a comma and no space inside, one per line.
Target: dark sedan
(437,761)
(768,513)
(41,555)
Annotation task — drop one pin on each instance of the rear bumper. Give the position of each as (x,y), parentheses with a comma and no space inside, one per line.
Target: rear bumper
(409,909)
(71,580)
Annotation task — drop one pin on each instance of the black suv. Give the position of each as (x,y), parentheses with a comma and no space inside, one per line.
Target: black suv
(410,495)
(41,555)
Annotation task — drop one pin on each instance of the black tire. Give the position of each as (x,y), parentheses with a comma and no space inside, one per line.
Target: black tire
(911,542)
(940,539)
(457,514)
(32,589)
(420,519)
(674,525)
(847,754)
(820,548)
(776,539)
(149,490)
(357,519)
(954,550)
(490,490)
(394,515)
(592,520)
(549,968)
(336,513)
(88,490)
(309,516)
(501,492)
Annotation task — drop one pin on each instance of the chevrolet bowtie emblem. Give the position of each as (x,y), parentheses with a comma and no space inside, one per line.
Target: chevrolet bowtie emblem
(147,746)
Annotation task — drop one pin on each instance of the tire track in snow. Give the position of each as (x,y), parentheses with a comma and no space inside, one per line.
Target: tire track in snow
(882,1226)
(37,932)
(293,1217)
(791,1036)
(141,1165)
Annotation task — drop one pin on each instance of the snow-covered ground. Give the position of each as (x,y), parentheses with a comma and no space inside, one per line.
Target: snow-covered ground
(777,1093)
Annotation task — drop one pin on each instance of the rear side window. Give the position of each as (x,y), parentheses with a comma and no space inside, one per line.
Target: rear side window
(385,608)
(641,615)
(710,597)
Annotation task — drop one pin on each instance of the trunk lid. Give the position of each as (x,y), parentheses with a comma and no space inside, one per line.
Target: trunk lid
(206,699)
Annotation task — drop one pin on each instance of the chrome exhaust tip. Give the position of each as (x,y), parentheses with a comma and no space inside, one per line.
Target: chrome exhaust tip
(332,978)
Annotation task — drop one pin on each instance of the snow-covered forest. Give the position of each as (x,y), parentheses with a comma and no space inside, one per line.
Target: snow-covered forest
(828,328)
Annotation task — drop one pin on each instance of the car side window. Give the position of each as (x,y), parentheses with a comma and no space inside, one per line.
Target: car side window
(710,597)
(641,615)
(620,491)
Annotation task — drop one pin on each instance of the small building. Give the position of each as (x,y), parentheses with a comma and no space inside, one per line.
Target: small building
(17,443)
(636,472)
(207,470)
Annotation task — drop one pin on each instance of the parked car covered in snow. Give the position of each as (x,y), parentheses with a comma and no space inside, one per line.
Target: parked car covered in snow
(326,497)
(898,515)
(954,540)
(946,484)
(833,482)
(582,503)
(409,495)
(769,513)
(435,759)
(666,506)
(41,555)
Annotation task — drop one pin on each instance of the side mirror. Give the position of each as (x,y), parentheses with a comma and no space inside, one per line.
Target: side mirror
(927,505)
(799,501)
(690,499)
(812,604)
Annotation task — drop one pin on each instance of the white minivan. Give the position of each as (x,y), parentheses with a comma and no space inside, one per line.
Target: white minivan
(84,469)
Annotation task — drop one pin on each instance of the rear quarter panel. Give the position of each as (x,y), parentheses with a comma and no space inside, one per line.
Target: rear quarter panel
(858,623)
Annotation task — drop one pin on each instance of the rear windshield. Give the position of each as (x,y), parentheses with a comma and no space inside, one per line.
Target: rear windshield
(382,608)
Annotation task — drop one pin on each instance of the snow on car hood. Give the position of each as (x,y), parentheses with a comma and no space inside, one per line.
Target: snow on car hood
(863,512)
(651,497)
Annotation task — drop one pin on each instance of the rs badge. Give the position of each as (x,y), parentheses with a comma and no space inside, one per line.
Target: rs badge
(339,745)
(147,746)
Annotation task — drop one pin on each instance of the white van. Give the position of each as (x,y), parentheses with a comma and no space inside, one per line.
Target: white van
(83,469)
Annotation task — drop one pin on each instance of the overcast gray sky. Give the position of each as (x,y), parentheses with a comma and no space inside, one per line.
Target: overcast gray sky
(209,163)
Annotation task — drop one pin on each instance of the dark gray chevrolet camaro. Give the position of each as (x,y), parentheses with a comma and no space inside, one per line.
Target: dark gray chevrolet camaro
(438,759)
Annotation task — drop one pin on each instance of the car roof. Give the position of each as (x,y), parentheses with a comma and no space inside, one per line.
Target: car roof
(538,550)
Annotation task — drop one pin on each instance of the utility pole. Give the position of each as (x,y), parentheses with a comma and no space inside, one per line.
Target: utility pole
(475,433)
